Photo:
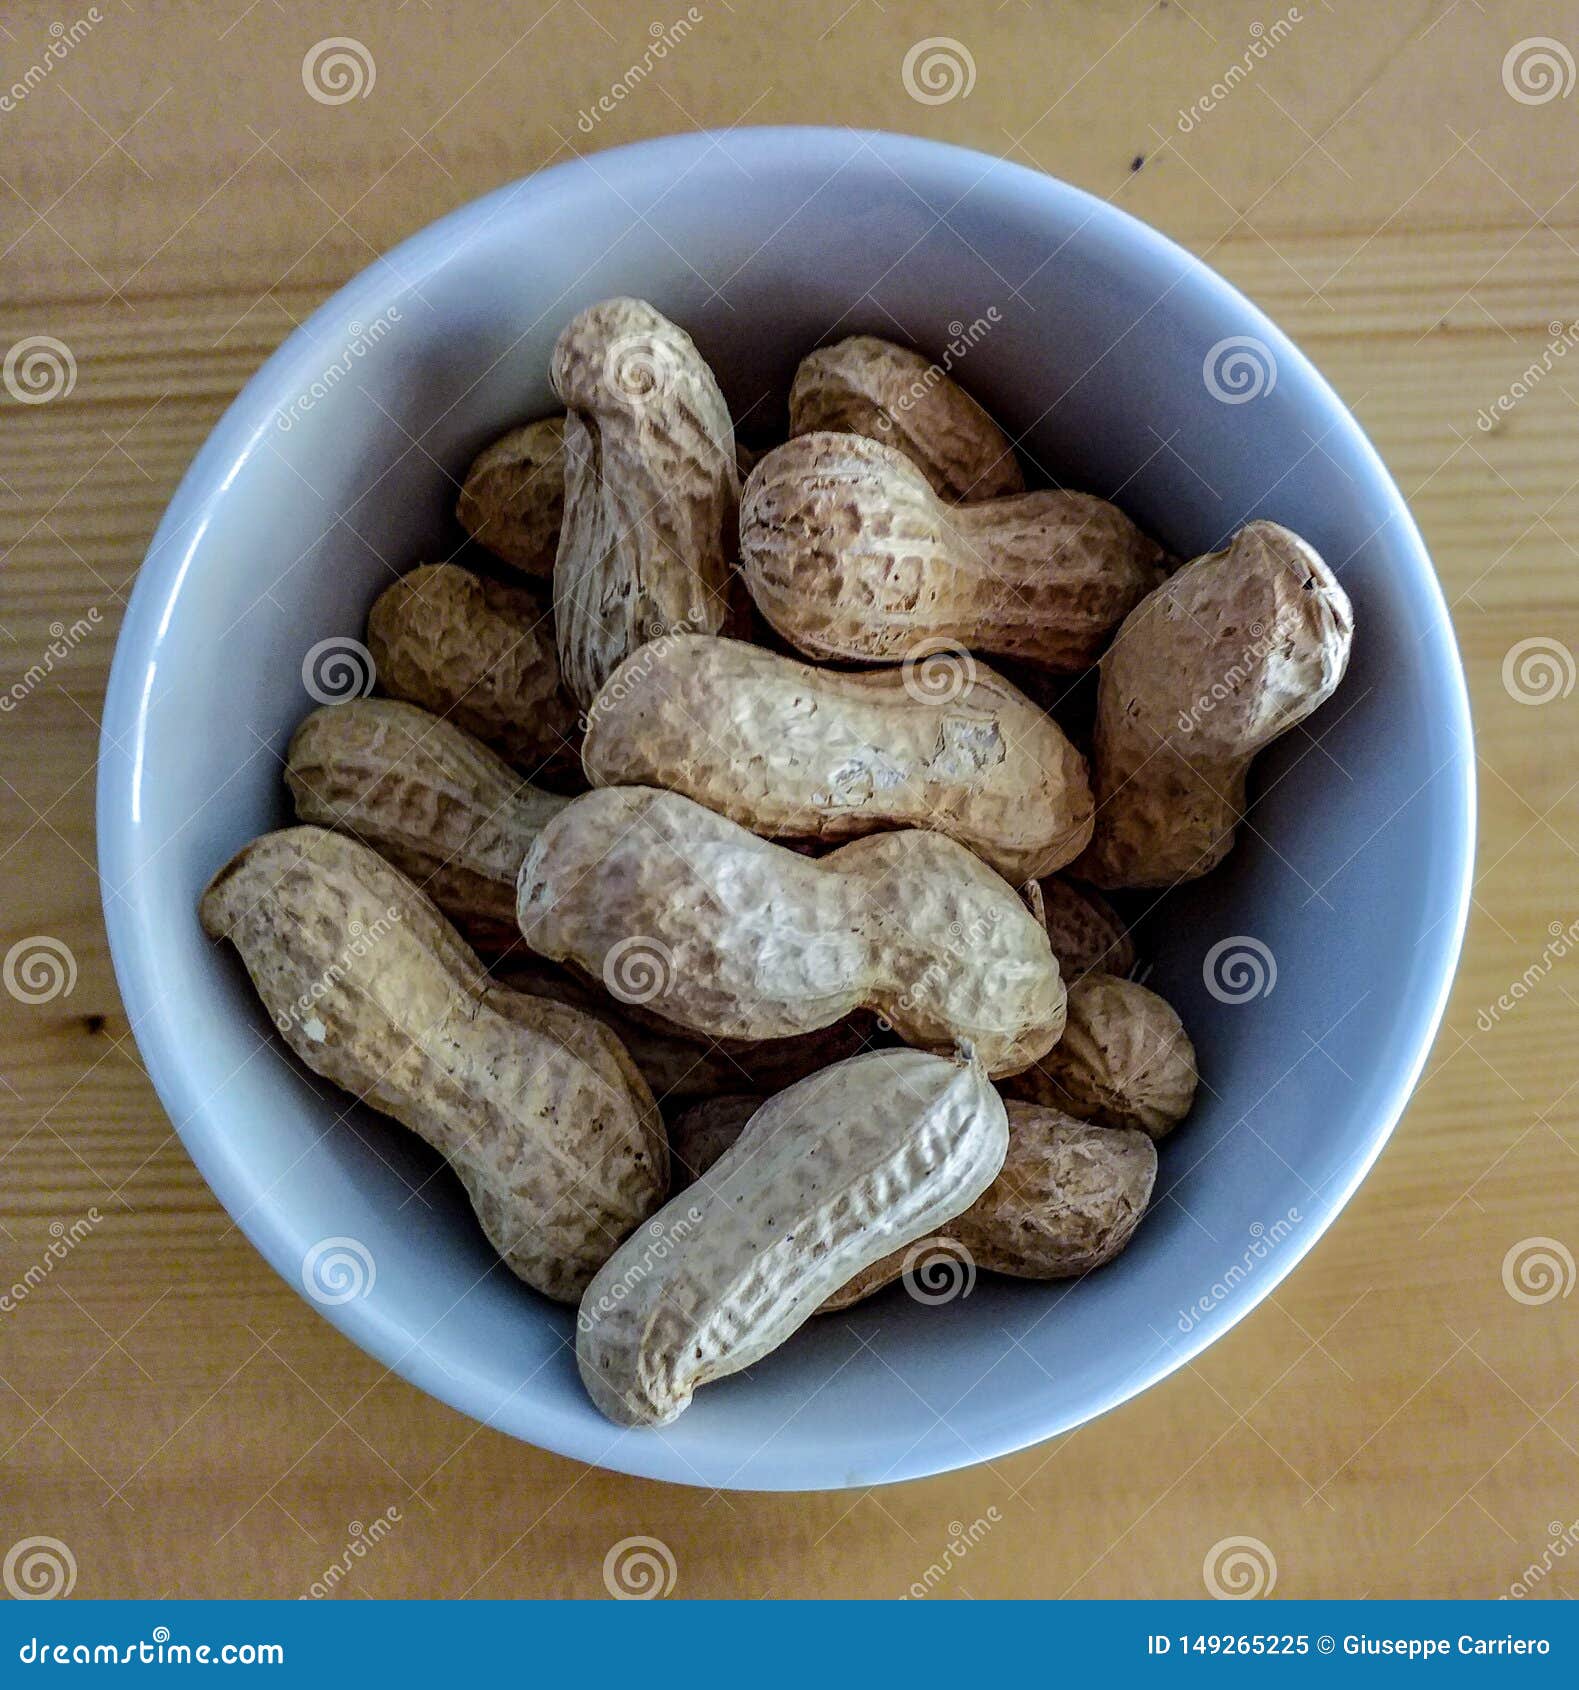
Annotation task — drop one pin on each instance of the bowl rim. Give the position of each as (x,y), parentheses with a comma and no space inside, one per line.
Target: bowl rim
(178,539)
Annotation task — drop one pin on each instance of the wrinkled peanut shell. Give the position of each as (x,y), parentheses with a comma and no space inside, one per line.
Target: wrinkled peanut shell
(536,1107)
(427,797)
(1229,653)
(849,553)
(1124,1059)
(651,490)
(513,498)
(1067,1200)
(727,935)
(826,1178)
(793,751)
(868,386)
(480,655)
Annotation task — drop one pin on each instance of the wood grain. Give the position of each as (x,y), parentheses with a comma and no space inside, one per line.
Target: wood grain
(171,204)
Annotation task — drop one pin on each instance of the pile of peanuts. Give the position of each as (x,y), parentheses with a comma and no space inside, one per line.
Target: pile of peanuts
(761,781)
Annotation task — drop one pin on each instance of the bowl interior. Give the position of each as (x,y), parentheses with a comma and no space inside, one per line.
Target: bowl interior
(1103,346)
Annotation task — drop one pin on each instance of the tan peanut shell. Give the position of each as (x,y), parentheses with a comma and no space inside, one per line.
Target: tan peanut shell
(480,655)
(1085,931)
(1124,1059)
(1067,1200)
(698,1136)
(793,751)
(438,804)
(890,394)
(651,490)
(513,498)
(536,1106)
(826,1178)
(677,1068)
(731,936)
(849,553)
(1209,669)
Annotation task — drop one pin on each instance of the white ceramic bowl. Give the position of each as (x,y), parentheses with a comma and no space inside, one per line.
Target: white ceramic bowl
(1131,370)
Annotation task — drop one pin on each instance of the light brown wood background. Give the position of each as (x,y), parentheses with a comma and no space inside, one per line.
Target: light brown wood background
(171,202)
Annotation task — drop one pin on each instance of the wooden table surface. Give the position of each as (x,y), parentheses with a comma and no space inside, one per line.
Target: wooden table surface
(1395,185)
